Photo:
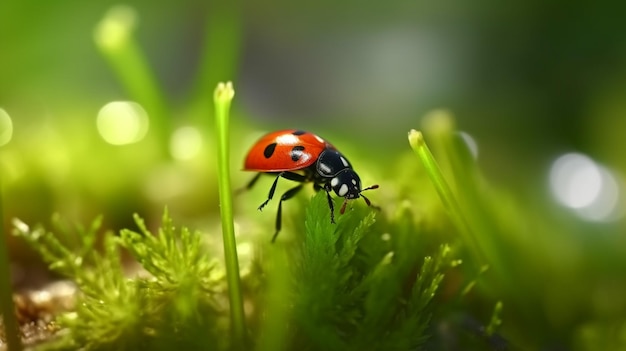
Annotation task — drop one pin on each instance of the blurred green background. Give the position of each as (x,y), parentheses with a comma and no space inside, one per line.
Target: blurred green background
(528,81)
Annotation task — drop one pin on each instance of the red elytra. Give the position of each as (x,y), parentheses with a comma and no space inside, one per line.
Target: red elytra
(285,150)
(303,157)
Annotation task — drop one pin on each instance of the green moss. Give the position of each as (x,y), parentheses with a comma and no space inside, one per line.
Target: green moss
(353,288)
(338,290)
(175,305)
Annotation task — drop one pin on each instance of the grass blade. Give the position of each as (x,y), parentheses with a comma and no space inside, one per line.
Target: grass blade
(223,96)
(416,140)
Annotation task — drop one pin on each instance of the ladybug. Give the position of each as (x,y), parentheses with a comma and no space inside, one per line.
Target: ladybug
(303,157)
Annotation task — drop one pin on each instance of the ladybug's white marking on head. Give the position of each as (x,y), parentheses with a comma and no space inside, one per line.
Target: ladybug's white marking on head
(319,139)
(343,190)
(334,182)
(354,181)
(287,139)
(344,161)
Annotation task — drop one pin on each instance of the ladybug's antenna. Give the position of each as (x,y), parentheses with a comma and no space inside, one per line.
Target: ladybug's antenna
(375,186)
(367,201)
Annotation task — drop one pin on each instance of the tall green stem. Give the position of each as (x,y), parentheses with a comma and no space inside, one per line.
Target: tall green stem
(223,96)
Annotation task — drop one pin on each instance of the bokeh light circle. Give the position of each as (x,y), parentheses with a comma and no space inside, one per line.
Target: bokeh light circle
(122,122)
(186,143)
(591,190)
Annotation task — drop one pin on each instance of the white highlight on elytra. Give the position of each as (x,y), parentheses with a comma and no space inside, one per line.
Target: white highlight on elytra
(579,183)
(304,157)
(319,139)
(287,139)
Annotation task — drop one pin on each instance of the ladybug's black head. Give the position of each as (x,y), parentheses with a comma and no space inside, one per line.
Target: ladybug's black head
(347,184)
(344,181)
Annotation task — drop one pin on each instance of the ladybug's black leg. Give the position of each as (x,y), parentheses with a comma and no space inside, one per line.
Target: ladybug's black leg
(253,181)
(287,175)
(294,176)
(272,190)
(249,185)
(327,189)
(286,196)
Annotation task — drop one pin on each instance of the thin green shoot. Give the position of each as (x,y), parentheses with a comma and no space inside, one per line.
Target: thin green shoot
(418,144)
(223,97)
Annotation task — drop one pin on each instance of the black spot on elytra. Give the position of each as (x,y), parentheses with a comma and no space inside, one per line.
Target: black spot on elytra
(269,150)
(299,132)
(296,153)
